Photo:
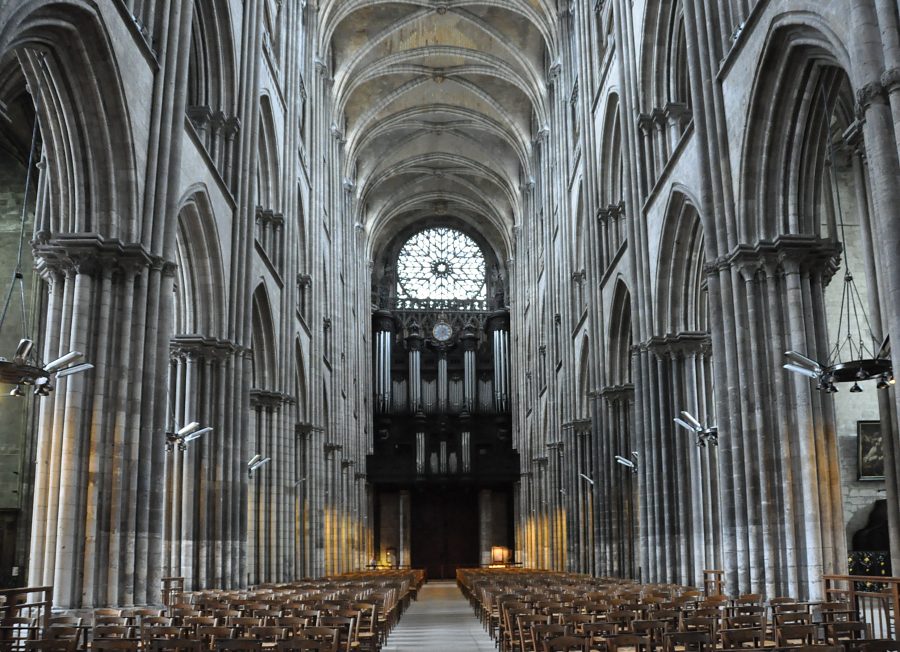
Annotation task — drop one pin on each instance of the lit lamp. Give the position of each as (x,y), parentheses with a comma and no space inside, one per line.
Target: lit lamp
(499,556)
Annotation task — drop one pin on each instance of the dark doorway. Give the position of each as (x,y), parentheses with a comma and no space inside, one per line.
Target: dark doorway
(444,532)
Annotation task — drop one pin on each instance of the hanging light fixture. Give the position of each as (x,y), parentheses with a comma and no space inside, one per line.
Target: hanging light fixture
(704,433)
(629,463)
(184,436)
(25,369)
(855,355)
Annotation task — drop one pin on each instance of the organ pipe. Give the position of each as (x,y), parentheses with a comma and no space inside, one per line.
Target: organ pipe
(414,346)
(498,326)
(468,341)
(384,334)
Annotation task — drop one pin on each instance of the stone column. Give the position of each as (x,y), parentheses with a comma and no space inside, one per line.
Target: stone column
(485,531)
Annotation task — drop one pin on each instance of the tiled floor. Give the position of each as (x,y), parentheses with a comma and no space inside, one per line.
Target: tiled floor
(441,620)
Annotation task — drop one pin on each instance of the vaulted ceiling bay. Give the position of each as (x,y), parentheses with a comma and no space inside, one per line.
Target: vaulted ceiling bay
(438,105)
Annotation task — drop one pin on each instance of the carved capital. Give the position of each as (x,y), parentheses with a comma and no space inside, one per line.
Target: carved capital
(871,93)
(890,79)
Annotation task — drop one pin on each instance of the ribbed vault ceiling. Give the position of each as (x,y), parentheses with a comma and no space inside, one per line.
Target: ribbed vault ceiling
(438,103)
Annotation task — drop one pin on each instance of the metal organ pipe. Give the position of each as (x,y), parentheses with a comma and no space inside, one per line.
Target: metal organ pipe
(468,341)
(383,337)
(499,325)
(414,345)
(442,381)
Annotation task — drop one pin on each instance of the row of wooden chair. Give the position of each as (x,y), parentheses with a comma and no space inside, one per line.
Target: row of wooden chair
(353,613)
(523,610)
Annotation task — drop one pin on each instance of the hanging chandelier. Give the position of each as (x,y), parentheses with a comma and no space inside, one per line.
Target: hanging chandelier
(25,369)
(856,355)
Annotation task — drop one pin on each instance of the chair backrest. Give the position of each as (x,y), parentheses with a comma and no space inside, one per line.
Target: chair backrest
(639,643)
(881,645)
(241,644)
(303,645)
(323,634)
(792,618)
(695,640)
(215,633)
(175,645)
(544,632)
(807,633)
(154,632)
(843,630)
(112,620)
(566,644)
(268,633)
(52,645)
(735,638)
(113,631)
(115,644)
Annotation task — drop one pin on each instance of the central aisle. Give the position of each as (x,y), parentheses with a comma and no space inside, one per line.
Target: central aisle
(441,620)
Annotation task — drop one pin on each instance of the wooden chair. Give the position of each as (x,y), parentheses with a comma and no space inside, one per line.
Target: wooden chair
(575,621)
(115,644)
(792,618)
(113,631)
(303,645)
(211,634)
(75,633)
(834,611)
(699,641)
(113,620)
(524,623)
(175,645)
(328,635)
(269,633)
(738,638)
(239,644)
(106,611)
(544,632)
(848,634)
(566,644)
(52,645)
(880,645)
(795,635)
(344,625)
(654,629)
(623,641)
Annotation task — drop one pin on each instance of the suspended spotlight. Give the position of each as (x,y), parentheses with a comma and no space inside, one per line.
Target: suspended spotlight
(188,429)
(258,463)
(861,375)
(855,389)
(196,434)
(883,382)
(628,463)
(16,391)
(831,389)
(71,356)
(23,351)
(68,371)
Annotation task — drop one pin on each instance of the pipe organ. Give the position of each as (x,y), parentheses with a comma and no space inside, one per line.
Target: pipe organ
(442,397)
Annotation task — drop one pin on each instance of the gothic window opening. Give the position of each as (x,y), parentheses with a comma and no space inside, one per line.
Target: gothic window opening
(441,265)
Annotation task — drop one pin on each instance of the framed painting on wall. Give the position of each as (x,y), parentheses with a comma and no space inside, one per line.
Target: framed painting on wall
(870,450)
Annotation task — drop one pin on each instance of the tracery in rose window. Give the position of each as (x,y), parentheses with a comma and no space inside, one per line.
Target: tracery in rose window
(441,263)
